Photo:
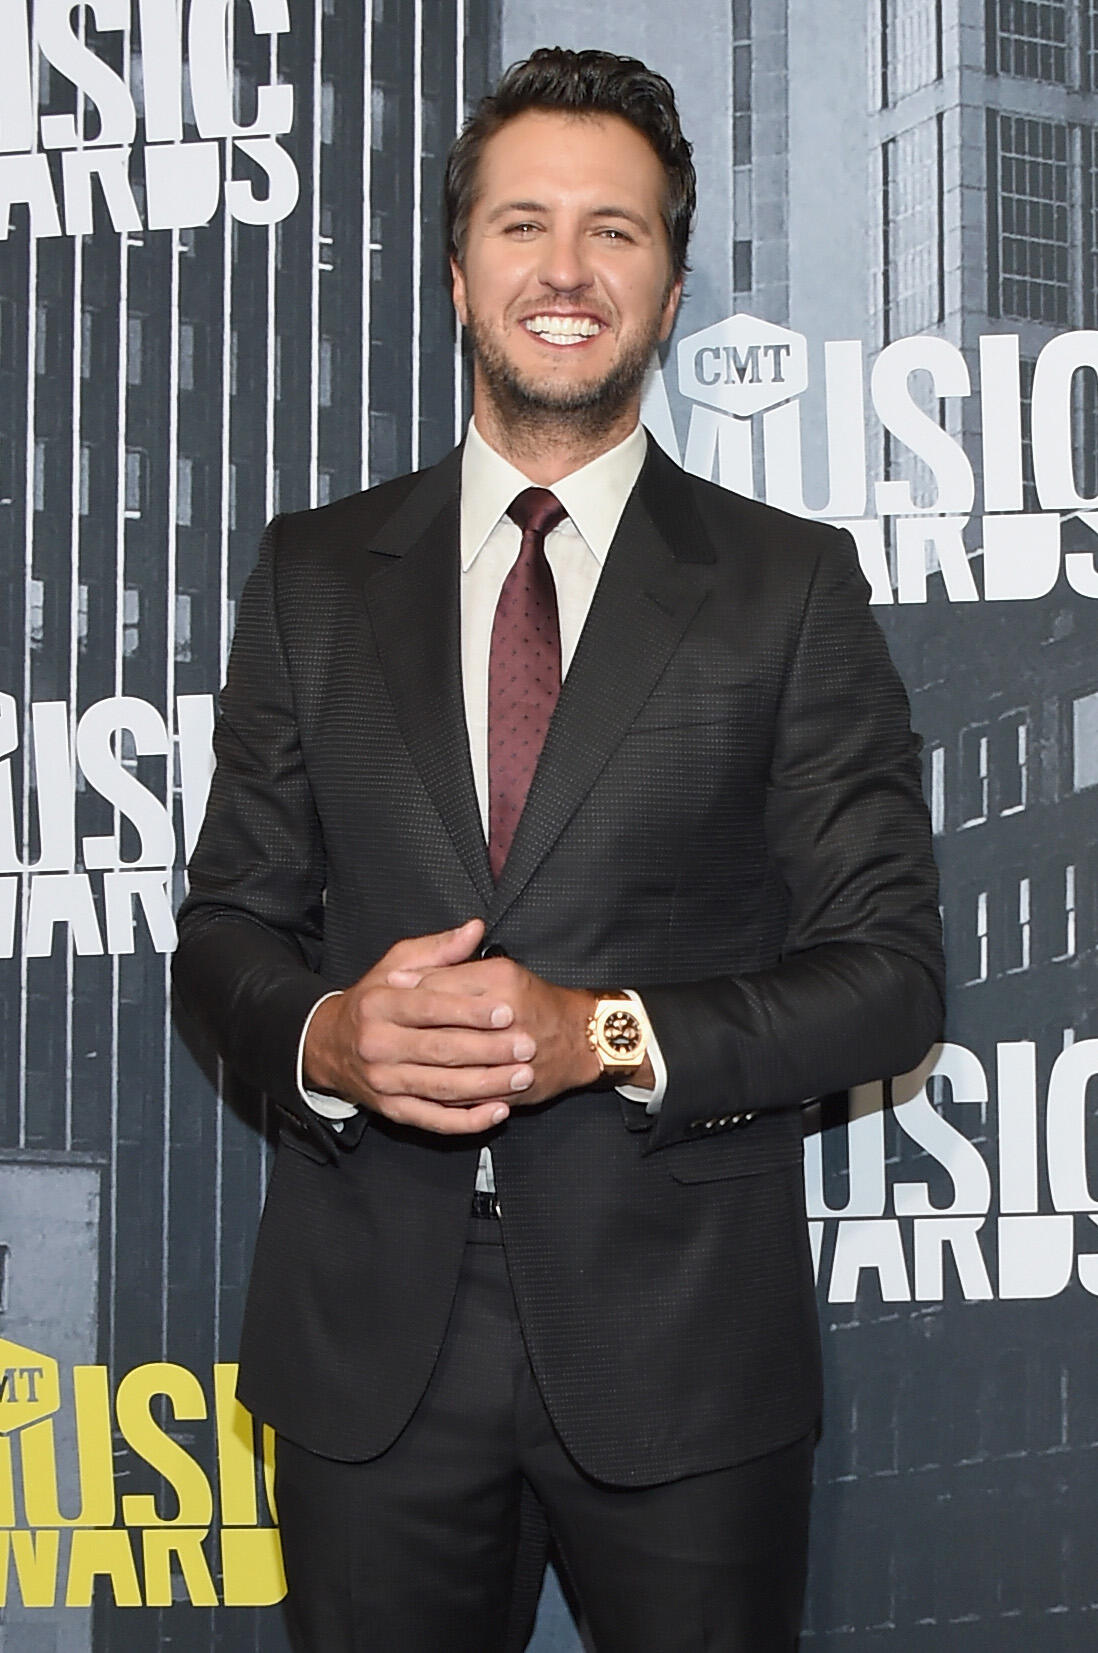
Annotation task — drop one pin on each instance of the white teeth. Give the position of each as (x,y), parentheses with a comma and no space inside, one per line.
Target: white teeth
(564,327)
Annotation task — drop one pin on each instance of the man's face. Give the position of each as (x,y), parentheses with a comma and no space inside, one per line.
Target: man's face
(565,283)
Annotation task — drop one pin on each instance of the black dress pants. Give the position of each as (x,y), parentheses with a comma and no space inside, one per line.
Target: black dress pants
(415,1551)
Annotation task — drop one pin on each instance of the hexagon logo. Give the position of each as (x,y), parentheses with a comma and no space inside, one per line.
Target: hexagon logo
(743,365)
(30,1386)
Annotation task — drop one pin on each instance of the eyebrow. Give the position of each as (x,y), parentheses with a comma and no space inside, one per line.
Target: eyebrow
(621,212)
(611,211)
(515,206)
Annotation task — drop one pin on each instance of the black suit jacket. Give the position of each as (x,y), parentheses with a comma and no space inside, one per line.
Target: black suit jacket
(727,815)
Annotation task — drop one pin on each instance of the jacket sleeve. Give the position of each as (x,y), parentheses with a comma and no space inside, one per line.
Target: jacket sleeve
(250,929)
(857,993)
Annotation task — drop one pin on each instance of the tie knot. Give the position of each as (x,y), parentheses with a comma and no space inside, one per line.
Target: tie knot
(536,511)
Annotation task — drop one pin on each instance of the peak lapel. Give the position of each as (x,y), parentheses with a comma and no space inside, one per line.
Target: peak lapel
(414,604)
(654,580)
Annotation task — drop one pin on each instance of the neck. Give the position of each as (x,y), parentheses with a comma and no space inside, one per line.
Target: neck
(553,445)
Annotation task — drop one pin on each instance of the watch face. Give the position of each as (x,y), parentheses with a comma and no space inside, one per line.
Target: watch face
(621,1032)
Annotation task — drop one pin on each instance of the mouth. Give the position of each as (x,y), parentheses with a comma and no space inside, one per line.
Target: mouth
(558,330)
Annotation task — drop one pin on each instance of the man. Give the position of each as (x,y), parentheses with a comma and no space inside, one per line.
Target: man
(550,865)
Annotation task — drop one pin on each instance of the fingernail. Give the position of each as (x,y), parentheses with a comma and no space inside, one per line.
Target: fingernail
(522,1079)
(499,1116)
(502,1015)
(524,1048)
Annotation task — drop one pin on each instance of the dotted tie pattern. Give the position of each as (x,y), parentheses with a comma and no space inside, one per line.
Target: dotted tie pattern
(523,670)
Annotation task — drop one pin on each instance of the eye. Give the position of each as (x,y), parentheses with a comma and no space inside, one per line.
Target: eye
(522,229)
(611,232)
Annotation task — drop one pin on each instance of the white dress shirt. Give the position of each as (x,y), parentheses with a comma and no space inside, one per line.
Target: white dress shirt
(594,498)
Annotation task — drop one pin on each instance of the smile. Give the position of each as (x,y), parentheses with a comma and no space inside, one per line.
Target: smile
(566,330)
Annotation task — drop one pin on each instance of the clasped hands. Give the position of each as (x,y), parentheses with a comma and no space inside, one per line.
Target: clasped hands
(437,1038)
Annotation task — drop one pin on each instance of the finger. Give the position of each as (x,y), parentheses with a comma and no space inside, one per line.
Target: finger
(454,1087)
(450,1048)
(430,952)
(432,1116)
(427,1007)
(499,978)
(467,976)
(389,1046)
(454,979)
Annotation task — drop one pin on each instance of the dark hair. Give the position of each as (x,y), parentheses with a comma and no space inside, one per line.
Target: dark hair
(579,83)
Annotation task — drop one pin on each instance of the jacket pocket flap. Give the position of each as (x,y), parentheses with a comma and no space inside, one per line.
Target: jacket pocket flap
(766,1143)
(671,707)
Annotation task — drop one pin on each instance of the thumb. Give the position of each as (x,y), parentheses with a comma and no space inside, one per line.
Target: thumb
(421,953)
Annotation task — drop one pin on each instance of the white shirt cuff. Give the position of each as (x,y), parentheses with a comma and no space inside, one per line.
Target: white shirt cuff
(332,1108)
(652,1099)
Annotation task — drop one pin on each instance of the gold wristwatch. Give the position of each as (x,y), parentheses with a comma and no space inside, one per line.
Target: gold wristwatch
(618,1033)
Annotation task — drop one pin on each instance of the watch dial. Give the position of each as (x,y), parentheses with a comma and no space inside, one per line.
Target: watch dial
(621,1030)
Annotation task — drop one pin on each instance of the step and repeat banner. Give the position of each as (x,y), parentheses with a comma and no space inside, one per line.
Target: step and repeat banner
(222,294)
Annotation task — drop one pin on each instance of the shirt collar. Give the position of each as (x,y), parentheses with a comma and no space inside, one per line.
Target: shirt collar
(594,496)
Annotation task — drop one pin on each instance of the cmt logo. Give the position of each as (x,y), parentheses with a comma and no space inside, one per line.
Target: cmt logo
(30,1386)
(743,366)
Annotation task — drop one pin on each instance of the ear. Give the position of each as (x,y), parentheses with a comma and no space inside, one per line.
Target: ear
(670,309)
(457,288)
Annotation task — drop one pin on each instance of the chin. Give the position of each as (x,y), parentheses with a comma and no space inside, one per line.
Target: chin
(543,375)
(528,393)
(561,381)
(559,388)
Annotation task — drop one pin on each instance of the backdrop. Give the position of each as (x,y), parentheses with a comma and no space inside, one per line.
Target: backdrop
(222,294)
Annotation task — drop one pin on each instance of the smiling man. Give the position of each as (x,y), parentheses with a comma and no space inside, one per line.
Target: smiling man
(566,837)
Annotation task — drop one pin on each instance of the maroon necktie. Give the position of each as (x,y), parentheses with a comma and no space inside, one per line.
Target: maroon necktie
(523,670)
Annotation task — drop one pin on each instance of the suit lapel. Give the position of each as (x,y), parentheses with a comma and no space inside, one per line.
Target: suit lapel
(654,580)
(414,603)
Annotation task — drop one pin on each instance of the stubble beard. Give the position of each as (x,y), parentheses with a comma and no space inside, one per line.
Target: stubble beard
(530,410)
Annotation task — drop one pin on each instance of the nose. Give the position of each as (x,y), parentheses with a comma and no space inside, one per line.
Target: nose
(564,264)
